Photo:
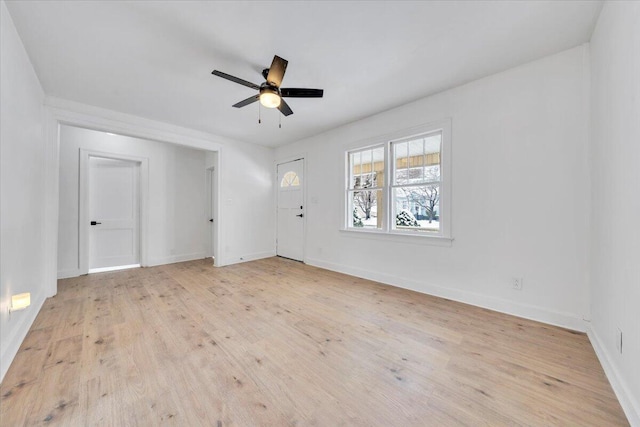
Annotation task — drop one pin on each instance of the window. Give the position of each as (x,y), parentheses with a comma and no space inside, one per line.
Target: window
(415,183)
(401,186)
(290,179)
(365,187)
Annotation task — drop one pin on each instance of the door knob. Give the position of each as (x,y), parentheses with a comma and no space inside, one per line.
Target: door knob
(301,215)
(95,223)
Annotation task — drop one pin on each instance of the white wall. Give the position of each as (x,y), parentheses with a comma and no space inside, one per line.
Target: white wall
(520,194)
(21,189)
(246,198)
(178,227)
(615,159)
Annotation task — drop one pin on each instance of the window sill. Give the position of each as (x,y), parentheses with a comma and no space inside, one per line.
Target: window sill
(401,237)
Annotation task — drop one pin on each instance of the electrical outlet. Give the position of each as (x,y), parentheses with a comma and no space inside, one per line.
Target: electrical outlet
(619,340)
(516,283)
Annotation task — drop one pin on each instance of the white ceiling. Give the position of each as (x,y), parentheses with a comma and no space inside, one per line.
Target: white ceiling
(154,58)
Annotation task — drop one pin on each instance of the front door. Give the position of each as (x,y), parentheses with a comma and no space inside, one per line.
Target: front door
(290,234)
(114,211)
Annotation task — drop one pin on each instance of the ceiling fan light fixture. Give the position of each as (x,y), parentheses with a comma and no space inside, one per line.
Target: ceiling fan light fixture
(269,97)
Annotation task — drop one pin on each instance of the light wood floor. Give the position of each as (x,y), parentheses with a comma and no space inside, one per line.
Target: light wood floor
(278,343)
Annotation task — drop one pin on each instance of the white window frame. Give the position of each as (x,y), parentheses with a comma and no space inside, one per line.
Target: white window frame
(388,229)
(381,184)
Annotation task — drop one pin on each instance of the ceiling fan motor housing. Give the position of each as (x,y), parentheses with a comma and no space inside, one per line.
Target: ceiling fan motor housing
(267,88)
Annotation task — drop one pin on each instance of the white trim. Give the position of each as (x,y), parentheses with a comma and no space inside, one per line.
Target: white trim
(66,274)
(24,320)
(95,118)
(630,404)
(247,258)
(211,196)
(417,237)
(59,112)
(83,204)
(152,262)
(540,314)
(116,268)
(51,201)
(176,258)
(218,237)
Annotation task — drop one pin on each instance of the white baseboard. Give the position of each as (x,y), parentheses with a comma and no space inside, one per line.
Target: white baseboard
(175,258)
(152,262)
(630,405)
(65,274)
(221,262)
(540,314)
(24,319)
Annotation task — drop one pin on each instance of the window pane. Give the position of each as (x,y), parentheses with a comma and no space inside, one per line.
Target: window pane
(378,156)
(290,179)
(432,157)
(366,168)
(364,209)
(432,173)
(366,160)
(417,160)
(400,162)
(368,180)
(432,143)
(354,173)
(417,208)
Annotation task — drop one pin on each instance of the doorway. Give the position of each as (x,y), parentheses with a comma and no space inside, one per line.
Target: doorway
(290,212)
(112,208)
(114,212)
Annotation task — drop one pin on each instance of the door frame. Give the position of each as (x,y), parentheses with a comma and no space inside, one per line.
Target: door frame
(277,163)
(83,204)
(212,211)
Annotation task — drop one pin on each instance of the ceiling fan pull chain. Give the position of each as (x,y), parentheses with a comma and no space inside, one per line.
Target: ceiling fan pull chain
(280,121)
(259,117)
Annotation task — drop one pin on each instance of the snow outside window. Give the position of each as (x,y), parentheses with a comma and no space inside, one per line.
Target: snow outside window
(401,186)
(366,180)
(415,183)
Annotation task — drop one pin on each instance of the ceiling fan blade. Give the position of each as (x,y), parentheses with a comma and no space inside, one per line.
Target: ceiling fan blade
(284,108)
(235,79)
(301,93)
(276,71)
(247,101)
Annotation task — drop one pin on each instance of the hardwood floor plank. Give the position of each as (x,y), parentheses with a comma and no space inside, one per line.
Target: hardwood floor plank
(277,342)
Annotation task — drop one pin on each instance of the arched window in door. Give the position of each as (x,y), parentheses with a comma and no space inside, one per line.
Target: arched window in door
(290,179)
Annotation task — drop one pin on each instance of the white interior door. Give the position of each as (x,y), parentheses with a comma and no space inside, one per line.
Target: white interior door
(114,212)
(290,233)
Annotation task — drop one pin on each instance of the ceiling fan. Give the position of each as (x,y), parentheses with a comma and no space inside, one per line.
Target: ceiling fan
(270,93)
